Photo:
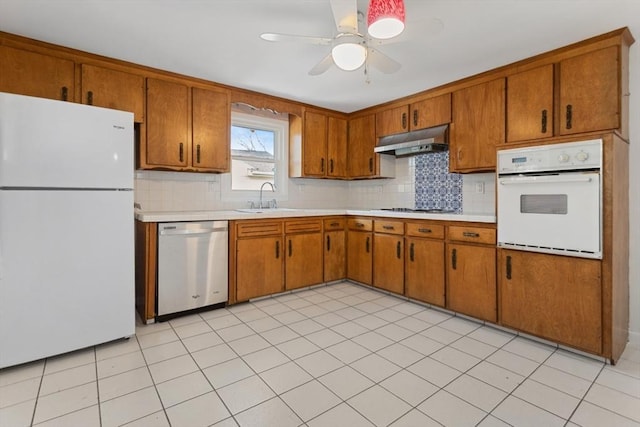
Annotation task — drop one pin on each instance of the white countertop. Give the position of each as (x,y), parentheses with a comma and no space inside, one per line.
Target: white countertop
(176,216)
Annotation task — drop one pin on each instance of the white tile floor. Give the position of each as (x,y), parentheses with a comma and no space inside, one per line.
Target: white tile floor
(336,355)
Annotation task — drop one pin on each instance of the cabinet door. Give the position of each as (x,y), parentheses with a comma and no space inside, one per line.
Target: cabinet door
(337,147)
(424,270)
(590,92)
(430,112)
(388,262)
(555,297)
(359,256)
(33,74)
(392,121)
(303,263)
(530,104)
(362,140)
(211,112)
(478,126)
(259,264)
(167,124)
(104,87)
(335,266)
(471,287)
(314,161)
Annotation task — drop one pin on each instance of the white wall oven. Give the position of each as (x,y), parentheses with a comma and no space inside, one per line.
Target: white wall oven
(550,199)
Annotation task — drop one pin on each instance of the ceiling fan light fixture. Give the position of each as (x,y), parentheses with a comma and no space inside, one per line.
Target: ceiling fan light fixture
(385,18)
(349,56)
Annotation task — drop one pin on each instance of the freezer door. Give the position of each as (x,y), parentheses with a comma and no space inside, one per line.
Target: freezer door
(46,143)
(66,271)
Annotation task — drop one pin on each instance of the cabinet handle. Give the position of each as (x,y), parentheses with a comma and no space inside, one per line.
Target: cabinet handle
(404,120)
(328,243)
(388,227)
(90,98)
(181,151)
(359,224)
(398,249)
(454,259)
(290,248)
(569,116)
(425,230)
(334,224)
(277,249)
(508,267)
(64,93)
(415,117)
(322,164)
(367,244)
(459,154)
(411,252)
(371,164)
(544,121)
(331,166)
(470,234)
(198,153)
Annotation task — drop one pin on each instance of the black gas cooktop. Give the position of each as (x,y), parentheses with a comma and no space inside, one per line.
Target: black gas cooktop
(431,210)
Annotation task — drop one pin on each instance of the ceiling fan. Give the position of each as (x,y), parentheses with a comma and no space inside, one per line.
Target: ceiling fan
(349,48)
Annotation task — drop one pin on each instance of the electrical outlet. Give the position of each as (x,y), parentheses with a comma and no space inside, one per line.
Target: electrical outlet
(480,187)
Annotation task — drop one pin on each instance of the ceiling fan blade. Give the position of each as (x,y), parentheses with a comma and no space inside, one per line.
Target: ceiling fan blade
(382,62)
(275,37)
(345,13)
(322,66)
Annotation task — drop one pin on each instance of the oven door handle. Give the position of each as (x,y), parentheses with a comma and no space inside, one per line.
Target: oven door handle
(555,179)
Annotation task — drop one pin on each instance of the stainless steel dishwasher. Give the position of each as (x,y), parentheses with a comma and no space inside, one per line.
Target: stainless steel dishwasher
(192,266)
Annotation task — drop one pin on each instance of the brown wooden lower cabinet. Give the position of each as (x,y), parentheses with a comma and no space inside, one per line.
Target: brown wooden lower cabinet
(424,278)
(555,297)
(303,260)
(360,250)
(259,267)
(471,280)
(388,262)
(335,254)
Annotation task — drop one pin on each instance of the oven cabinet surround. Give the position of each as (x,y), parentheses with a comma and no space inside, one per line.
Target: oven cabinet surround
(317,145)
(187,127)
(420,114)
(268,256)
(471,271)
(360,250)
(586,302)
(424,271)
(388,255)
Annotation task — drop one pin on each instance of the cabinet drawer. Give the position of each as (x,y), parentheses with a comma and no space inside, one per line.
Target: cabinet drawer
(473,234)
(388,227)
(360,224)
(419,229)
(332,224)
(258,228)
(303,226)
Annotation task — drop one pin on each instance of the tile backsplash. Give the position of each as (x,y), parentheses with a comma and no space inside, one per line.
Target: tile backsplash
(435,187)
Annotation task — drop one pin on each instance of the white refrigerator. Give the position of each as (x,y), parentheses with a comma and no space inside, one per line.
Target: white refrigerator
(66,227)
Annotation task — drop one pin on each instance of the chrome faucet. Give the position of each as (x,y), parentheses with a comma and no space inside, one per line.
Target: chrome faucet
(261,188)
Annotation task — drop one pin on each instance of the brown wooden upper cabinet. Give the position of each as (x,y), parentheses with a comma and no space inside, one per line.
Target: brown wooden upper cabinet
(421,114)
(590,93)
(321,150)
(118,90)
(33,74)
(478,126)
(363,162)
(171,142)
(530,104)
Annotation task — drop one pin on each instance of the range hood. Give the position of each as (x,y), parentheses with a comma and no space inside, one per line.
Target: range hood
(435,139)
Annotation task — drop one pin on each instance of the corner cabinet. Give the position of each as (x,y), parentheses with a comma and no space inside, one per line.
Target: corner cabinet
(360,250)
(478,126)
(186,128)
(335,249)
(318,146)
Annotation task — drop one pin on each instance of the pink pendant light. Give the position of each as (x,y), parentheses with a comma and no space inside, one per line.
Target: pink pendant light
(385,18)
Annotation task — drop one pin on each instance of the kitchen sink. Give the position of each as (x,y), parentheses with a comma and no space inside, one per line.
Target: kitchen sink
(258,210)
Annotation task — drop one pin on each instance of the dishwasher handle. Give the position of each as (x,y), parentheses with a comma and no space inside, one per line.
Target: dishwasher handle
(171,232)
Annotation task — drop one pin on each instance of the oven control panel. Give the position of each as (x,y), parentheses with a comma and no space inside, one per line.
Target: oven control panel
(551,157)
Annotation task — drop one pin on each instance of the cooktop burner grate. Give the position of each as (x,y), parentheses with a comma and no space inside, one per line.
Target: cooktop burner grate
(432,210)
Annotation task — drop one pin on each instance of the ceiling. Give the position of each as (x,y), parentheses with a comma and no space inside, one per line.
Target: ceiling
(218,40)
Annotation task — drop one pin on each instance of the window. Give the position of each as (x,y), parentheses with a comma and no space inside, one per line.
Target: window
(258,155)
